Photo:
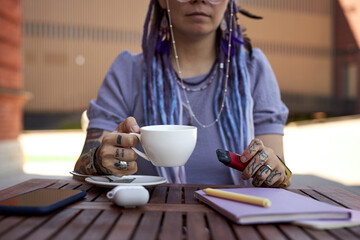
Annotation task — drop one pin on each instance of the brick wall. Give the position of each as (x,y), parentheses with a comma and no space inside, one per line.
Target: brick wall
(347,54)
(12,97)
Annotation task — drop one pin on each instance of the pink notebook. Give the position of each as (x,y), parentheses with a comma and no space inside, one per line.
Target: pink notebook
(285,206)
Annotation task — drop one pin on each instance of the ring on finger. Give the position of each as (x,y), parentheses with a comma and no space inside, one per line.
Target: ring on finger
(123,165)
(269,167)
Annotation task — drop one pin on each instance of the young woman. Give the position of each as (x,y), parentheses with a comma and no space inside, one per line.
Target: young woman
(194,70)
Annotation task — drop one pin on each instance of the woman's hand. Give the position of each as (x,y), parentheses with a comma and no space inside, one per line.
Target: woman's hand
(265,167)
(114,155)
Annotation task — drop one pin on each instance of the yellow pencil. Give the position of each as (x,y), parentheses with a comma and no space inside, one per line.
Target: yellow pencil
(264,202)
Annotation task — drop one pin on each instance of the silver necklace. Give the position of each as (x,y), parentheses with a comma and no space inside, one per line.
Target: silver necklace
(192,114)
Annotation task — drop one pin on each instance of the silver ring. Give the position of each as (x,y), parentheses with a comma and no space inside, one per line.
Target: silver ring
(123,165)
(269,167)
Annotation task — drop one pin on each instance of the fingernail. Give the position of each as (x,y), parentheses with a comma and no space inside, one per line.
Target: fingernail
(243,159)
(135,128)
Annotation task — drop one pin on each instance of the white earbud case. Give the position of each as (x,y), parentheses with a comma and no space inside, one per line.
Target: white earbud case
(128,196)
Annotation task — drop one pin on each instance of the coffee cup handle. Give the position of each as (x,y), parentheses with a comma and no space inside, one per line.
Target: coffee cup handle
(138,152)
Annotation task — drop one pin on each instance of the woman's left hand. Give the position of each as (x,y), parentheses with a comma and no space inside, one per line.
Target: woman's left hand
(265,167)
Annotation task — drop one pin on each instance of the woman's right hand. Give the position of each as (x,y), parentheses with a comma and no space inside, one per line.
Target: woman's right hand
(110,152)
(115,156)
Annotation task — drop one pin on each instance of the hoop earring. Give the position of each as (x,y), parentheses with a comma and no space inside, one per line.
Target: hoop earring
(163,42)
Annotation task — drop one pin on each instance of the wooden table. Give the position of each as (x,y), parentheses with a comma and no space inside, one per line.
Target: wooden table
(172,213)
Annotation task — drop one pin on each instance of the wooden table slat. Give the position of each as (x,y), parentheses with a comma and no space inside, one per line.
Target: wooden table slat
(25,187)
(294,232)
(355,230)
(246,232)
(174,195)
(158,195)
(269,231)
(196,227)
(299,191)
(55,224)
(101,226)
(172,213)
(125,226)
(78,225)
(149,226)
(189,195)
(58,184)
(318,234)
(153,207)
(320,197)
(85,187)
(24,228)
(9,222)
(172,226)
(219,227)
(340,195)
(92,194)
(102,197)
(71,186)
(343,233)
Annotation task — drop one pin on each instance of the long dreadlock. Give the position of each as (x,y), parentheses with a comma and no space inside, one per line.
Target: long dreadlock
(162,104)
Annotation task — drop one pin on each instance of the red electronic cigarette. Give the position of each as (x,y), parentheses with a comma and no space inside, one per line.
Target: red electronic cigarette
(231,159)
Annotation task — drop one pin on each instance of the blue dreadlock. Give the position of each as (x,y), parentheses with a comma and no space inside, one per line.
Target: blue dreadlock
(160,95)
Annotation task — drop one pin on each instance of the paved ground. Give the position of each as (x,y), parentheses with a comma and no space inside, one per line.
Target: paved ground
(325,148)
(318,152)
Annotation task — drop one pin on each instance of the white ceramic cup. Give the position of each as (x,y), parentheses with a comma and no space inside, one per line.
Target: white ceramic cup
(167,145)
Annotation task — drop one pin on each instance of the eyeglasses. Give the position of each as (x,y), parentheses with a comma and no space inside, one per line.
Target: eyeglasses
(213,2)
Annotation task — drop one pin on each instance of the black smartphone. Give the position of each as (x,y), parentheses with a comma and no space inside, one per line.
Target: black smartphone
(40,201)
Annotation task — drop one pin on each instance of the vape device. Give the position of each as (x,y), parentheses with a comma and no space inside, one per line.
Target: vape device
(231,159)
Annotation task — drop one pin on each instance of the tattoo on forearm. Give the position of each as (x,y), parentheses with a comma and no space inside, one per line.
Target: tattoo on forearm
(83,170)
(98,165)
(84,158)
(94,133)
(90,145)
(118,140)
(86,161)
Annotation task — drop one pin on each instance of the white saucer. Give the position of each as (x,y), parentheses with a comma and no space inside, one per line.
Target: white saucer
(130,180)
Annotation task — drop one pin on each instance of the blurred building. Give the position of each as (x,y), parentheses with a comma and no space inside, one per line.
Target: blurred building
(68,46)
(347,53)
(313,46)
(12,95)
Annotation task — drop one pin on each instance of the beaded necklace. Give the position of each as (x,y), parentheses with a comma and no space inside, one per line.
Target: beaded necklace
(210,78)
(182,81)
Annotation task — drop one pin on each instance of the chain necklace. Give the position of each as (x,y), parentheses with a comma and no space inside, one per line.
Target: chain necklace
(192,114)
